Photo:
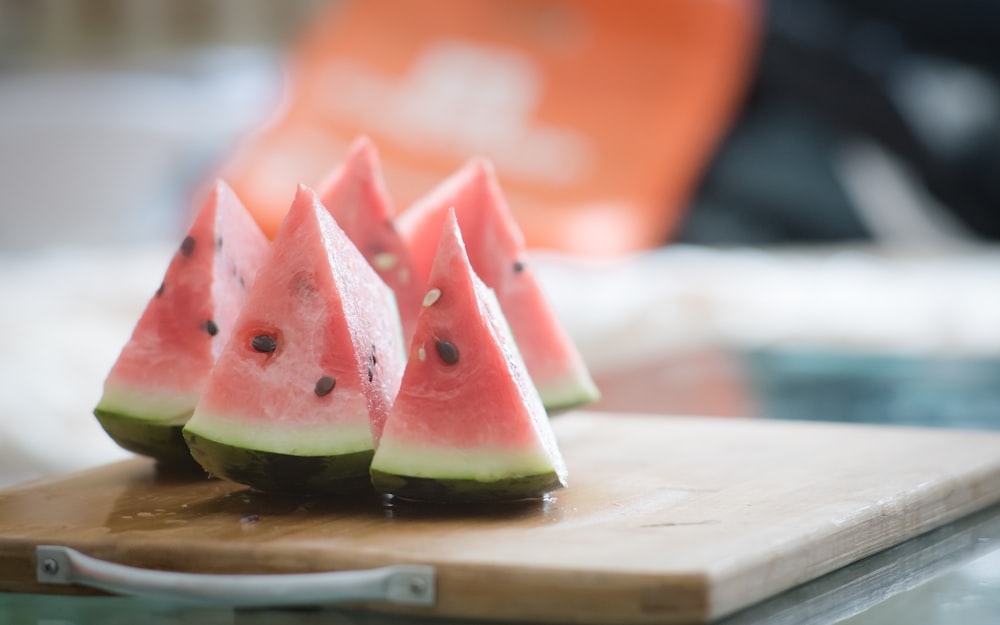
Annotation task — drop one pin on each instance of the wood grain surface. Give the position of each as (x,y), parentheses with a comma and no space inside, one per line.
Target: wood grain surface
(666,519)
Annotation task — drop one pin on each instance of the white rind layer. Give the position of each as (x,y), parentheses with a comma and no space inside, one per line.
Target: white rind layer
(169,408)
(486,465)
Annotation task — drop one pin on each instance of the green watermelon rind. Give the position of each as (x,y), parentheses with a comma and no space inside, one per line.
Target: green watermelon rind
(573,393)
(468,490)
(445,474)
(282,473)
(156,439)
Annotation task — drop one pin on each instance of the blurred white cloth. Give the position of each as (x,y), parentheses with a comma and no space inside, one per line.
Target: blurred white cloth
(857,299)
(66,314)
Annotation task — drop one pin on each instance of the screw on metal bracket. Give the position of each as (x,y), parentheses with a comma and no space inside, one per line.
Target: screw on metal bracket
(418,586)
(50,566)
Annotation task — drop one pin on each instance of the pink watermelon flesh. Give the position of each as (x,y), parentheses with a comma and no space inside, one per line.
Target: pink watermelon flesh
(467,425)
(497,253)
(356,196)
(299,396)
(153,387)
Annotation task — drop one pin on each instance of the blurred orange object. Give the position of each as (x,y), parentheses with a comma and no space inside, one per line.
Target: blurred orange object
(599,116)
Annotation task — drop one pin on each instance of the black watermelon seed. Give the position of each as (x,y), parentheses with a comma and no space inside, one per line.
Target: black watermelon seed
(187,247)
(371,374)
(242,283)
(324,385)
(159,291)
(211,327)
(264,344)
(218,243)
(518,266)
(448,352)
(374,358)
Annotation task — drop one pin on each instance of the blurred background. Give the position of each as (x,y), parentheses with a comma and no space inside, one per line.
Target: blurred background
(779,209)
(783,209)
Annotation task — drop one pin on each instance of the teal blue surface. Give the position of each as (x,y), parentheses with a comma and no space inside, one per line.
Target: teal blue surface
(804,384)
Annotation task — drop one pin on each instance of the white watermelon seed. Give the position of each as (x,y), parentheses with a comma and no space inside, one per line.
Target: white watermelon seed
(385,261)
(432,296)
(421,353)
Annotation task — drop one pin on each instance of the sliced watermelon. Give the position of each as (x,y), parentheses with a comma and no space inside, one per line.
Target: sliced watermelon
(467,425)
(497,253)
(356,196)
(300,394)
(161,372)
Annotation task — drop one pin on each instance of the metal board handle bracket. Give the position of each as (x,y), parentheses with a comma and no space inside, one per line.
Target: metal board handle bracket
(400,584)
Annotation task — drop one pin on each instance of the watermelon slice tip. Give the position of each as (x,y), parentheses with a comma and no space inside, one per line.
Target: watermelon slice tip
(497,253)
(157,379)
(298,398)
(468,424)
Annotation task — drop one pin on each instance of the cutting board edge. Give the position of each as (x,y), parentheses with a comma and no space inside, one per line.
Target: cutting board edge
(464,590)
(724,587)
(987,471)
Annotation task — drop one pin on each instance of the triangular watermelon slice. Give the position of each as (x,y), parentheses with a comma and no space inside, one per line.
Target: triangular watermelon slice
(356,196)
(497,253)
(467,425)
(159,376)
(300,394)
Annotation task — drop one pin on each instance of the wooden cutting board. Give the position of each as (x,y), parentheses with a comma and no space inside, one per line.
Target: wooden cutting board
(666,519)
